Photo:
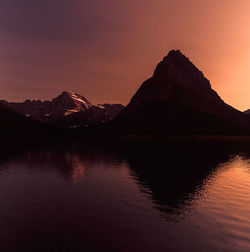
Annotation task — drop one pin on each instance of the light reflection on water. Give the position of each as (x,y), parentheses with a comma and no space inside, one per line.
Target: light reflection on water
(127,197)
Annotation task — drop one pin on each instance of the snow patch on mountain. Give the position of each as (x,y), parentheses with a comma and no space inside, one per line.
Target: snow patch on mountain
(68,110)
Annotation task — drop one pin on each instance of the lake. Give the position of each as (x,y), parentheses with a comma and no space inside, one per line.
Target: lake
(169,195)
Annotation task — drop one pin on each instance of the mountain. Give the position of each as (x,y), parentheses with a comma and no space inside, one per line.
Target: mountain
(247,112)
(67,110)
(14,124)
(178,99)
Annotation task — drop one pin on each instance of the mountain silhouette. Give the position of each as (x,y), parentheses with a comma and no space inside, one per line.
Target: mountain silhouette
(247,112)
(14,124)
(68,110)
(178,99)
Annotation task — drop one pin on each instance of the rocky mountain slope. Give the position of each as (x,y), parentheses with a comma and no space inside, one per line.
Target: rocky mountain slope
(247,112)
(14,124)
(178,99)
(66,110)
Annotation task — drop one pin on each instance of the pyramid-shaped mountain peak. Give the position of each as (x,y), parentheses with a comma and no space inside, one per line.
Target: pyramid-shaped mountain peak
(67,93)
(73,101)
(176,54)
(178,99)
(177,68)
(175,78)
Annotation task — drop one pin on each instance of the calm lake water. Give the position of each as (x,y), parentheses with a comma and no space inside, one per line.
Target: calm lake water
(168,196)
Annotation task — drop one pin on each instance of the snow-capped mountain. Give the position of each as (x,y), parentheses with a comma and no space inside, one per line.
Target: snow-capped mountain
(67,110)
(69,102)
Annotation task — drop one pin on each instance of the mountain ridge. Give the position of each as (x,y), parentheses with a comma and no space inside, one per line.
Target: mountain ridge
(14,124)
(177,100)
(66,110)
(176,86)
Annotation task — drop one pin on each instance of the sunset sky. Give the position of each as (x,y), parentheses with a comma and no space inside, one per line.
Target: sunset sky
(104,50)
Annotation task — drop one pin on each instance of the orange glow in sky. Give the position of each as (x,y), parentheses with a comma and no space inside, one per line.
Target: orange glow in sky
(106,49)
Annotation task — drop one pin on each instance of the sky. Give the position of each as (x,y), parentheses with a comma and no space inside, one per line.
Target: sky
(104,50)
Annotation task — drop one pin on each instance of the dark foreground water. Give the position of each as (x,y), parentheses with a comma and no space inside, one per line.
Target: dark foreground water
(168,196)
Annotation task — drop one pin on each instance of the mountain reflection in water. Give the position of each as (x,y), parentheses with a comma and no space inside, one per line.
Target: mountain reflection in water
(125,196)
(174,174)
